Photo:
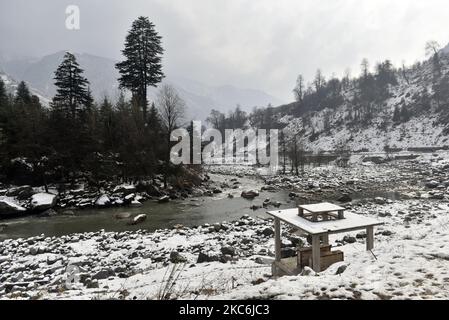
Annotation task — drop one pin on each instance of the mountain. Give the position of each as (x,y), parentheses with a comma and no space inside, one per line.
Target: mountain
(11,87)
(410,112)
(101,73)
(39,73)
(201,98)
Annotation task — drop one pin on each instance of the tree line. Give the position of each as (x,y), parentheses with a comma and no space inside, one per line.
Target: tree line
(370,90)
(79,137)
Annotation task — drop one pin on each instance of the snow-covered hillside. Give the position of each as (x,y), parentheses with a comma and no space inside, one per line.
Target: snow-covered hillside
(11,86)
(335,127)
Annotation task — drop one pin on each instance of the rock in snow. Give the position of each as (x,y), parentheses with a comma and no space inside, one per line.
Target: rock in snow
(43,201)
(103,201)
(7,207)
(250,194)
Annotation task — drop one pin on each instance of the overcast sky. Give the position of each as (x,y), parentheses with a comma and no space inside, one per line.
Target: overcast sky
(261,44)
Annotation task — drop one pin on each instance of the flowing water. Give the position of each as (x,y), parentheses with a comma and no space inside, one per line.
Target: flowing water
(189,212)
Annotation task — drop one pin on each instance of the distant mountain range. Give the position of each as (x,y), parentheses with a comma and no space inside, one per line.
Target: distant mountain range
(101,73)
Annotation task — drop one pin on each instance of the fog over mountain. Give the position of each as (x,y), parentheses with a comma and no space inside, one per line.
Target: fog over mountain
(261,44)
(102,75)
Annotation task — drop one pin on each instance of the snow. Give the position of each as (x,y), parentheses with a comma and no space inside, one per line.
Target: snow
(103,200)
(412,262)
(40,200)
(351,221)
(321,207)
(425,130)
(11,203)
(410,258)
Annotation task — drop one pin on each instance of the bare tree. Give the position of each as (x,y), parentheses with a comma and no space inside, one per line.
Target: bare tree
(432,48)
(404,72)
(299,88)
(171,108)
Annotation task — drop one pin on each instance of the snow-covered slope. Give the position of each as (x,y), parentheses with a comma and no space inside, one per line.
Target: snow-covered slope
(11,86)
(335,127)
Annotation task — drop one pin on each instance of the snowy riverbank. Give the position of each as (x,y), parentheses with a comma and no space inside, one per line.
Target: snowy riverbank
(231,260)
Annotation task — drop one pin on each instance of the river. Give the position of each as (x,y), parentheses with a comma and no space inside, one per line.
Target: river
(189,212)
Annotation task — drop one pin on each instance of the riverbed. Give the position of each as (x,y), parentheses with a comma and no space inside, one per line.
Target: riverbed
(189,212)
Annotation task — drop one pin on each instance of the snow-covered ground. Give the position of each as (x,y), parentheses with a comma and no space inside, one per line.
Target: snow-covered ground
(410,260)
(231,260)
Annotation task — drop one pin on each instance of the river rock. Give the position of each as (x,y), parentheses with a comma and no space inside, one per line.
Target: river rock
(306,272)
(250,194)
(176,257)
(103,201)
(342,268)
(344,198)
(9,207)
(138,219)
(103,274)
(203,257)
(122,215)
(43,201)
(48,213)
(228,250)
(380,200)
(125,189)
(135,203)
(432,184)
(349,239)
(21,192)
(163,199)
(267,232)
(276,204)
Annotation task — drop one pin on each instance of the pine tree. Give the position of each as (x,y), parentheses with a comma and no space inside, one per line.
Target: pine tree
(3,118)
(142,65)
(72,93)
(107,124)
(23,95)
(3,97)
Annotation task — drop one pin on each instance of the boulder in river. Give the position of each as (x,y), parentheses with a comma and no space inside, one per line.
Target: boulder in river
(48,213)
(138,219)
(9,207)
(135,203)
(251,194)
(43,201)
(122,215)
(163,199)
